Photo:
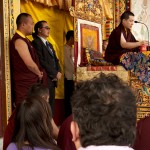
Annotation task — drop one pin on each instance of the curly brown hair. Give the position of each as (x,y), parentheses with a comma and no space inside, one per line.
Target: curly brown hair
(105,111)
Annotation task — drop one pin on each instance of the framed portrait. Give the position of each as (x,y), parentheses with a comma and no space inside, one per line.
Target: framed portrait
(89,36)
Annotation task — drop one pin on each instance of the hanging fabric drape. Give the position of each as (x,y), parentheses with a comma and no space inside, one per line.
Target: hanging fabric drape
(62,4)
(117,7)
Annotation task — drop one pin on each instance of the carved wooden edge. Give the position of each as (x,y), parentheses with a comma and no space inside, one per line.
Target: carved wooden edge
(84,16)
(81,15)
(8,29)
(84,74)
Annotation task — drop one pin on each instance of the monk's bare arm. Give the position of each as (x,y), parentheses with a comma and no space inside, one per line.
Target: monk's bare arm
(24,53)
(130,45)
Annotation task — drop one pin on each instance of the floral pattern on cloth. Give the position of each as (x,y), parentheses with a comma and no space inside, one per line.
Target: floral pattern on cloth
(139,64)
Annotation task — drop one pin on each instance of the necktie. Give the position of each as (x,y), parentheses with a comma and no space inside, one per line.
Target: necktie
(51,52)
(49,48)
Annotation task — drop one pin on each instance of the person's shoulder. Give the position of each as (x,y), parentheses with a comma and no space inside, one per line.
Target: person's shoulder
(16,37)
(65,46)
(36,39)
(37,42)
(66,124)
(12,146)
(144,120)
(116,29)
(115,32)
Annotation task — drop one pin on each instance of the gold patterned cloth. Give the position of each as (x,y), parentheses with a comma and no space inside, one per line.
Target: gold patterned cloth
(107,15)
(142,96)
(87,73)
(62,4)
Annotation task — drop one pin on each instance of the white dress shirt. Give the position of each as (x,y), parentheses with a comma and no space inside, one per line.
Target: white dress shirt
(68,62)
(106,147)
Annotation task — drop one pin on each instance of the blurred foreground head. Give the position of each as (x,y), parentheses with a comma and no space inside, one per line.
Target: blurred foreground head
(104,112)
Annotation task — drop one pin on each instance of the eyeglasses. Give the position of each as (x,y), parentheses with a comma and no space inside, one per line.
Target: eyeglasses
(48,28)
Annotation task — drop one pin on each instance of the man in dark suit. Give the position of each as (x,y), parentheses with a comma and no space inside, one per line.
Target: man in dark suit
(47,57)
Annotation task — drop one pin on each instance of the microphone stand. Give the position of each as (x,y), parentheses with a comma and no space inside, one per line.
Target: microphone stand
(147,32)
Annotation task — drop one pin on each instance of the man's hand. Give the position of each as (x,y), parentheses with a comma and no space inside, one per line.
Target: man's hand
(58,75)
(40,76)
(144,43)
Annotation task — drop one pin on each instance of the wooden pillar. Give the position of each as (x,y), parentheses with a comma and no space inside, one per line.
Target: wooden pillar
(7,28)
(1,48)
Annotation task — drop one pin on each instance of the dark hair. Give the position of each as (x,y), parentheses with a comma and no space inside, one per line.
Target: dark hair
(22,18)
(33,124)
(126,15)
(69,34)
(105,111)
(38,25)
(38,90)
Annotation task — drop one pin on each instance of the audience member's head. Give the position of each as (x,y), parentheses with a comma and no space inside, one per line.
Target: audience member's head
(25,23)
(42,29)
(104,46)
(104,112)
(105,43)
(39,90)
(70,37)
(33,124)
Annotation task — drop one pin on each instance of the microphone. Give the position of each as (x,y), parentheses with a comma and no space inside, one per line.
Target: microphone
(147,31)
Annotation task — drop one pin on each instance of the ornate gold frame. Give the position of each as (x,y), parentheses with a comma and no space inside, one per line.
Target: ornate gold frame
(89,27)
(8,14)
(6,94)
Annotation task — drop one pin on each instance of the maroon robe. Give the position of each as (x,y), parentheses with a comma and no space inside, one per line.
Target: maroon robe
(114,50)
(9,130)
(142,141)
(64,140)
(22,78)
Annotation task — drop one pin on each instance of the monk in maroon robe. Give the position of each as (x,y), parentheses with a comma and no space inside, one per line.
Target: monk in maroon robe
(122,40)
(25,67)
(123,49)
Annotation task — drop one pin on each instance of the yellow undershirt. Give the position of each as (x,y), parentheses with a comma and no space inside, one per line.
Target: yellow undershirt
(21,34)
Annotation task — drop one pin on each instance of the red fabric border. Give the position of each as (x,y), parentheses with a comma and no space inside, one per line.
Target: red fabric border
(102,68)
